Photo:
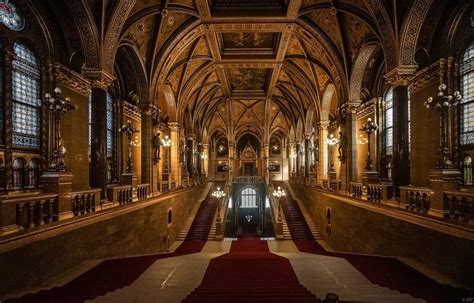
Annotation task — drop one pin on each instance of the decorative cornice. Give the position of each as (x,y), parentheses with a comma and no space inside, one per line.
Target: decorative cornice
(71,79)
(99,78)
(400,75)
(425,77)
(366,108)
(131,111)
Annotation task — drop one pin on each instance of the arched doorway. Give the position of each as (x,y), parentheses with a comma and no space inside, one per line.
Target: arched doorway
(249,212)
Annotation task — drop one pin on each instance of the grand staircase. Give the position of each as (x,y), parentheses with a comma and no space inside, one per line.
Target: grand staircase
(198,228)
(300,225)
(250,273)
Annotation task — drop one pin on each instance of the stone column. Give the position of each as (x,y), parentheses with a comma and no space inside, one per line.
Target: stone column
(307,156)
(175,161)
(266,157)
(199,159)
(205,150)
(298,158)
(98,178)
(401,155)
(148,174)
(323,151)
(190,155)
(351,152)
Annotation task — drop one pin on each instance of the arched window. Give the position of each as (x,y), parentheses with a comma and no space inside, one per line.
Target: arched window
(467,170)
(388,131)
(467,104)
(34,173)
(26,96)
(19,173)
(110,120)
(248,198)
(389,122)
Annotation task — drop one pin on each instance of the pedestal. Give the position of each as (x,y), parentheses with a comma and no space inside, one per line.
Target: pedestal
(131,179)
(442,180)
(61,184)
(165,182)
(370,176)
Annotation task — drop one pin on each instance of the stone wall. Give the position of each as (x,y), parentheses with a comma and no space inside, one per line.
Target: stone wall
(365,229)
(139,228)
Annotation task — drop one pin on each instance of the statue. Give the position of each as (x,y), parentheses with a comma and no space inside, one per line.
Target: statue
(342,146)
(156,145)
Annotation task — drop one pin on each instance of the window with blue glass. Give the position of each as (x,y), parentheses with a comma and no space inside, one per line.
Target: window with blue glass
(467,104)
(10,17)
(26,97)
(389,122)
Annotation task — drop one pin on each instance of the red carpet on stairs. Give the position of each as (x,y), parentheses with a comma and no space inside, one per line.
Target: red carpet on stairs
(386,272)
(250,273)
(114,274)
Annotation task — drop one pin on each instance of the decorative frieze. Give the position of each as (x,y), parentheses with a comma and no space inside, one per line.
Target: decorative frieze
(425,77)
(99,78)
(73,80)
(400,76)
(132,111)
(366,108)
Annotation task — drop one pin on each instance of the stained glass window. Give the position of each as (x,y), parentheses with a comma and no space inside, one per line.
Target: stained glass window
(26,95)
(389,122)
(10,17)
(467,105)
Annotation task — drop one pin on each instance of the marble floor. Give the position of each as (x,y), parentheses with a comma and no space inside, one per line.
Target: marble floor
(170,280)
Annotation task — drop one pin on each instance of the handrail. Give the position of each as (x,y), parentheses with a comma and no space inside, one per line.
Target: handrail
(85,201)
(17,213)
(459,205)
(143,191)
(416,199)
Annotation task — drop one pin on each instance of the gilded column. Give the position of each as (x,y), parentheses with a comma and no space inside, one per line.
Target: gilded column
(175,163)
(323,150)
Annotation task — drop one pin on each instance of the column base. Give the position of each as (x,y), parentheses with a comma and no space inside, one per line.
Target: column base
(370,177)
(131,179)
(61,184)
(442,180)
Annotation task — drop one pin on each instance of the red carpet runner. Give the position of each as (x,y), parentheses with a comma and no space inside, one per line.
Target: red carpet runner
(111,275)
(250,273)
(386,272)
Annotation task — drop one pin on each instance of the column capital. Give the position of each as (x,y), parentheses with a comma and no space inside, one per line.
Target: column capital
(400,75)
(99,78)
(174,126)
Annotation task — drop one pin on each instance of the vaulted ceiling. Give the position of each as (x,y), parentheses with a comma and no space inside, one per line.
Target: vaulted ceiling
(238,65)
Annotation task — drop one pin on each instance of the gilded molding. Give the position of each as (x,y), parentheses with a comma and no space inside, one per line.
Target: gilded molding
(400,76)
(99,78)
(425,77)
(71,79)
(132,111)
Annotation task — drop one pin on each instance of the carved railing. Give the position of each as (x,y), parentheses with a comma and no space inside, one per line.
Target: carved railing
(377,192)
(459,206)
(120,193)
(143,191)
(18,213)
(86,201)
(417,199)
(356,189)
(248,179)
(334,185)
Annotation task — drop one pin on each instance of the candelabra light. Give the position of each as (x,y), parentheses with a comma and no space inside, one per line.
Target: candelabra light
(278,194)
(166,142)
(59,106)
(331,141)
(128,129)
(218,194)
(442,102)
(369,127)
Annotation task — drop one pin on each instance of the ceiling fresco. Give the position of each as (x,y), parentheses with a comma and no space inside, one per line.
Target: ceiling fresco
(248,80)
(248,41)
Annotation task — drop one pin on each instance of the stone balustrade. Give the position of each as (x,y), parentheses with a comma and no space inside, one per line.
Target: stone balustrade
(377,192)
(122,194)
(417,199)
(17,213)
(459,206)
(334,185)
(143,191)
(248,179)
(356,189)
(86,201)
